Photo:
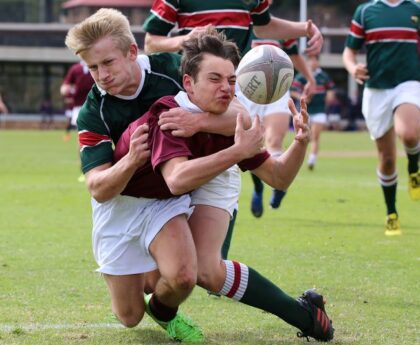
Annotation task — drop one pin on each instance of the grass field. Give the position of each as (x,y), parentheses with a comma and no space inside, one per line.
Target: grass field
(328,233)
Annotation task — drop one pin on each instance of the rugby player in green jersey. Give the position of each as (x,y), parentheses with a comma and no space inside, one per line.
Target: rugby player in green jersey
(236,18)
(126,84)
(276,118)
(316,107)
(391,97)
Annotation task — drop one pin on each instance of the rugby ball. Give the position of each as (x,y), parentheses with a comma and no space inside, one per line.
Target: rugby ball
(265,74)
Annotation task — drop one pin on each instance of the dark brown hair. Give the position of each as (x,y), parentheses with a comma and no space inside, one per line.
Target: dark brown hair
(209,42)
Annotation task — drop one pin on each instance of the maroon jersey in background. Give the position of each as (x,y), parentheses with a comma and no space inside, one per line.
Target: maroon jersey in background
(79,77)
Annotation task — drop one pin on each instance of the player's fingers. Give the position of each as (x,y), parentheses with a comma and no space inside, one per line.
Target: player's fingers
(314,47)
(239,122)
(144,128)
(165,117)
(144,138)
(292,107)
(309,28)
(304,110)
(179,133)
(256,123)
(168,126)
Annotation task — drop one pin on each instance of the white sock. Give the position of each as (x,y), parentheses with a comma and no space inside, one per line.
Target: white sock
(312,159)
(236,280)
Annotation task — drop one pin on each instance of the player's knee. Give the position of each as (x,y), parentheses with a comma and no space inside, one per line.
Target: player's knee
(184,280)
(388,163)
(129,317)
(411,138)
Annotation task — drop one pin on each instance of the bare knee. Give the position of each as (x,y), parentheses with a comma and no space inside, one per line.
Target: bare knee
(129,317)
(411,138)
(388,164)
(184,280)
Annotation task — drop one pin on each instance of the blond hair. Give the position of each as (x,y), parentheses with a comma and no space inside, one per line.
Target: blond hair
(106,22)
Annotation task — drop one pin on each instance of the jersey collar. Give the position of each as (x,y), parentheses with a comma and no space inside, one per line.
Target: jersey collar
(184,102)
(391,4)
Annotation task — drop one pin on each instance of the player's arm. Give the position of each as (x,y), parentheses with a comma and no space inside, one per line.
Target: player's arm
(280,172)
(283,29)
(3,107)
(357,70)
(183,123)
(158,43)
(107,181)
(66,89)
(183,175)
(302,67)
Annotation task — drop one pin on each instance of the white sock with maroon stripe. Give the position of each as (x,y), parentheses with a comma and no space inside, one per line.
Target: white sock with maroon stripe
(247,286)
(236,280)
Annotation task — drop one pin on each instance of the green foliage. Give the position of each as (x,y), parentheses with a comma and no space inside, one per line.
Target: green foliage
(328,233)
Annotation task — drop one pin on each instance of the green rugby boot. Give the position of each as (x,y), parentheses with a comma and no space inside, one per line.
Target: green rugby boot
(180,328)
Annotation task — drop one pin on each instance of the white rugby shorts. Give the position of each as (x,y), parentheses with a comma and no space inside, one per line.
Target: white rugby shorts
(124,227)
(263,110)
(320,118)
(379,104)
(221,192)
(74,115)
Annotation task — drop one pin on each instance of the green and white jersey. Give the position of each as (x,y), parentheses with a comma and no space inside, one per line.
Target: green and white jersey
(323,84)
(390,33)
(103,118)
(234,17)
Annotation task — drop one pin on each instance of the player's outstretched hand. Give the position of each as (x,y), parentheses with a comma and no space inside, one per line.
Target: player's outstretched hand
(180,122)
(250,141)
(315,39)
(300,121)
(139,150)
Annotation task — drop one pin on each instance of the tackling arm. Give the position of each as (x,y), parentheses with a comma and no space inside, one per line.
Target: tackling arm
(183,175)
(182,123)
(301,66)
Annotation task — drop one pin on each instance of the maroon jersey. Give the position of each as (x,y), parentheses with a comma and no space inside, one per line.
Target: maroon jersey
(79,77)
(148,181)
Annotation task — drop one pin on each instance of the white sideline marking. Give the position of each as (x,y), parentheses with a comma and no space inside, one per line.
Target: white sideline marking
(40,327)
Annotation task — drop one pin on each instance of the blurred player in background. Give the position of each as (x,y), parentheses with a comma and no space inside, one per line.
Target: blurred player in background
(3,107)
(68,108)
(276,118)
(317,105)
(75,88)
(391,98)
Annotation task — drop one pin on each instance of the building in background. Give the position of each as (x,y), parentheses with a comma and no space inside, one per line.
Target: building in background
(34,59)
(136,11)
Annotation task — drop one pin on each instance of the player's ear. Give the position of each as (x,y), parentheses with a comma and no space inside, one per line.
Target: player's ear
(188,83)
(133,51)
